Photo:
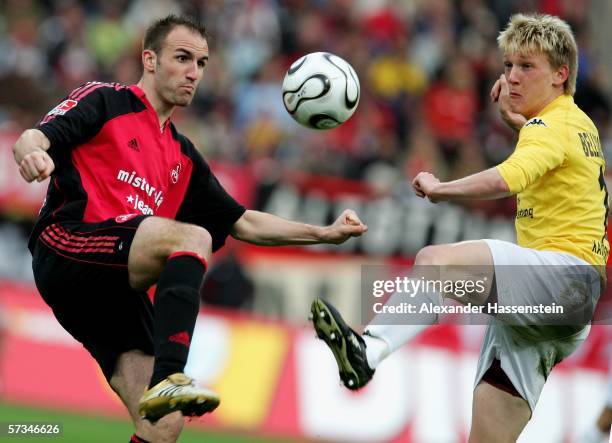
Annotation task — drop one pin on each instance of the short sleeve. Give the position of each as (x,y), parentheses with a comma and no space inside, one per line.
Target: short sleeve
(207,203)
(538,151)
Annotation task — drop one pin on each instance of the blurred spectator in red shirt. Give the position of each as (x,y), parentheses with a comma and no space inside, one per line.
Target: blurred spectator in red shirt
(451,106)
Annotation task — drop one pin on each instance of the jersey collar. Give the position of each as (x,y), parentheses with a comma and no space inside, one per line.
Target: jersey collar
(143,97)
(562,100)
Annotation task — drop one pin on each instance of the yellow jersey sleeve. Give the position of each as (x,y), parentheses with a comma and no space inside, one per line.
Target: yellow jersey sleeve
(538,151)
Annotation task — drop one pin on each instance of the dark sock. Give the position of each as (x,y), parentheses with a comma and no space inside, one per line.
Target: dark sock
(177,302)
(137,439)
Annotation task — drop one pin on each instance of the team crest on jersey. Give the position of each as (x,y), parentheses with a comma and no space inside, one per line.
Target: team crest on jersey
(63,107)
(537,122)
(174,173)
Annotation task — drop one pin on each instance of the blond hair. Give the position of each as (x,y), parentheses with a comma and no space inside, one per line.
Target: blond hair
(543,34)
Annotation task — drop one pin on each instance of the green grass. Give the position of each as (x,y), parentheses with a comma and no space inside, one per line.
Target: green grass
(89,429)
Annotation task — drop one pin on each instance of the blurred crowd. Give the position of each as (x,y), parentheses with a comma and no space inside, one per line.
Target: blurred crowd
(425,66)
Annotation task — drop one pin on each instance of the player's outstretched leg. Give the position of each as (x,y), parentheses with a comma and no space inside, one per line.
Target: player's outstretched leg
(348,347)
(177,392)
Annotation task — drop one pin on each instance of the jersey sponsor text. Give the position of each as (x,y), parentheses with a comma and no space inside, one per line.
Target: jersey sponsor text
(524,213)
(142,184)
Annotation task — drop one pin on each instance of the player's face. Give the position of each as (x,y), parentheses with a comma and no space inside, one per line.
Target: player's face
(533,82)
(180,66)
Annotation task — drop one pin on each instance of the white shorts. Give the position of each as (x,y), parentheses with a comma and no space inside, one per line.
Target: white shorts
(526,347)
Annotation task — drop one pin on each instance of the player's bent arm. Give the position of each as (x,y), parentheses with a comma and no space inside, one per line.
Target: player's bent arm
(485,185)
(30,152)
(265,229)
(29,141)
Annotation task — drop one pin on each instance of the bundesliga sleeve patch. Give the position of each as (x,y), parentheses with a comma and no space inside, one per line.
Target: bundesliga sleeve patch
(63,107)
(537,122)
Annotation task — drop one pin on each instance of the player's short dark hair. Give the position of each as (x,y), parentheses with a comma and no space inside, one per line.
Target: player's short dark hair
(156,33)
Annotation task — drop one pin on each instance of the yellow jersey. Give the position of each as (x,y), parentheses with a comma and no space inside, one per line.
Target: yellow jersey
(557,171)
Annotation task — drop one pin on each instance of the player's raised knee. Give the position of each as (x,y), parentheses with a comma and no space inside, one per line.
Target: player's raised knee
(195,239)
(163,237)
(431,256)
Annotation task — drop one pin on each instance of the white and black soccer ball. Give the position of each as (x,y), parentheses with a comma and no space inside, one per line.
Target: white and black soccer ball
(321,90)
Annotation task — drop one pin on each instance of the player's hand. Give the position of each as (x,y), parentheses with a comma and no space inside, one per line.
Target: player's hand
(36,165)
(425,185)
(500,93)
(346,226)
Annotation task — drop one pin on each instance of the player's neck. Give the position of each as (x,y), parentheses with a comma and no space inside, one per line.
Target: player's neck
(162,109)
(551,98)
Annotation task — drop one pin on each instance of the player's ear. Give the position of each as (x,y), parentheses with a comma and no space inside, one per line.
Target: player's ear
(561,75)
(149,59)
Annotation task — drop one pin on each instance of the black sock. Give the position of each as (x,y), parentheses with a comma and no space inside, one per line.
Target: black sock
(177,302)
(137,439)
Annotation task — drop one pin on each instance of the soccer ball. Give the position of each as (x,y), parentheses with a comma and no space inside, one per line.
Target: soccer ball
(320,90)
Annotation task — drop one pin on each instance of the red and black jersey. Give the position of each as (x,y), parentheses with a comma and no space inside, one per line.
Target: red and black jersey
(112,160)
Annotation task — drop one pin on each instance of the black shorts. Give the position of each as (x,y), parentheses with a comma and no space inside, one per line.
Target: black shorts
(81,272)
